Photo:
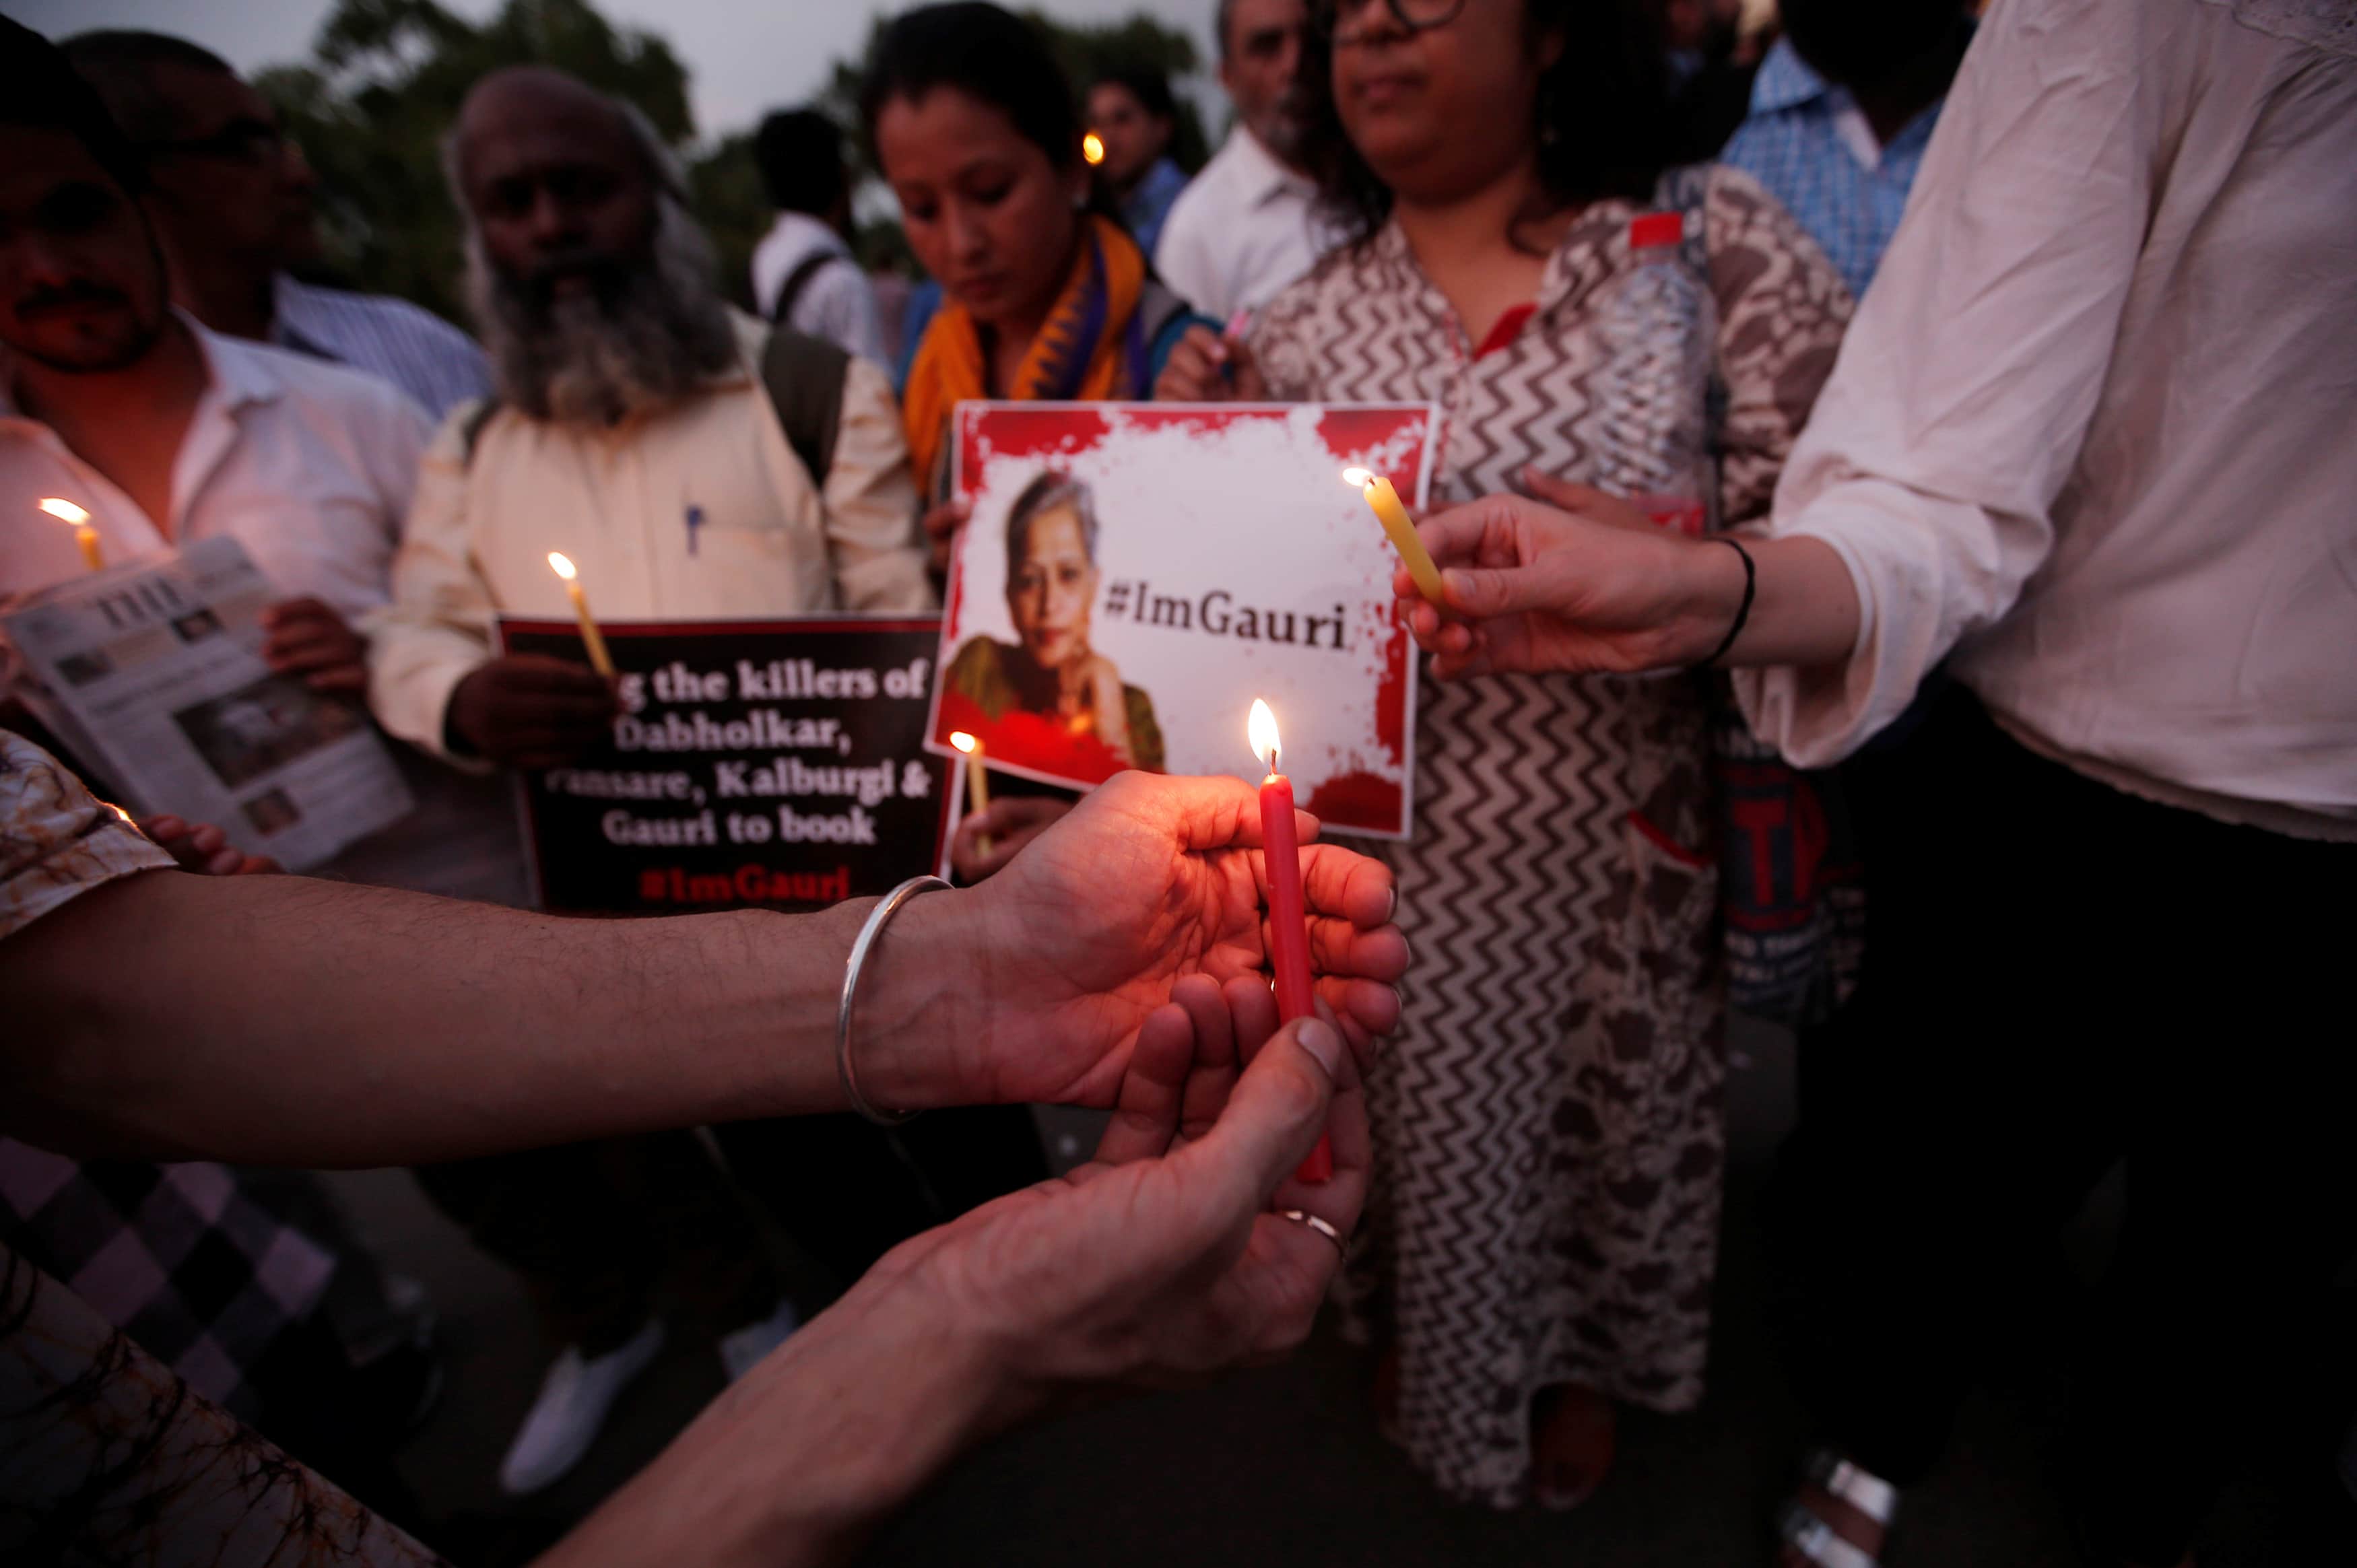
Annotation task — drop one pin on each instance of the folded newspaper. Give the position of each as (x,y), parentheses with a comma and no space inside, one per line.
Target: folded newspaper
(152,674)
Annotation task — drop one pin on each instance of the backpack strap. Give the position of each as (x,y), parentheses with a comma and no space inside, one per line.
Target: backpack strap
(471,430)
(803,376)
(790,292)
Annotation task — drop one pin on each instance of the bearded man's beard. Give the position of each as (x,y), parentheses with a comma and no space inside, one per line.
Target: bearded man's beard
(640,338)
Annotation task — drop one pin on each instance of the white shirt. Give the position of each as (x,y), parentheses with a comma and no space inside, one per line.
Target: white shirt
(698,511)
(2095,427)
(309,466)
(1241,230)
(838,302)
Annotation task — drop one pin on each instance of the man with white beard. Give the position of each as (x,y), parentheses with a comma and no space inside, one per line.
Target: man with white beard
(634,431)
(693,467)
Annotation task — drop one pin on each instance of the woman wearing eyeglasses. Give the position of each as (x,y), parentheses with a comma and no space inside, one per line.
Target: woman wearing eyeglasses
(1543,1232)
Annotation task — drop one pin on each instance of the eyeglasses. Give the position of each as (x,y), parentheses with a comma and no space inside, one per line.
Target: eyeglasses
(244,141)
(1408,16)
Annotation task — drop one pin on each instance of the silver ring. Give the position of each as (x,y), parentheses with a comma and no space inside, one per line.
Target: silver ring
(1323,1228)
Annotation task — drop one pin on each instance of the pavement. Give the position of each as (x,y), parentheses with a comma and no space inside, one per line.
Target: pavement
(1282,1466)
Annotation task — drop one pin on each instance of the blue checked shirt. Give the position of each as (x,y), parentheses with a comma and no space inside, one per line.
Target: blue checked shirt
(1793,144)
(391,339)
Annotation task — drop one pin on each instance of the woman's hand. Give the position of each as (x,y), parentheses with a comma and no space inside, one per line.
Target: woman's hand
(1160,1262)
(1600,588)
(1009,822)
(1205,366)
(1110,707)
(942,522)
(1032,987)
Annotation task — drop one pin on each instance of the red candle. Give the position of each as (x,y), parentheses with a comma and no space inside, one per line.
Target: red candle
(1289,924)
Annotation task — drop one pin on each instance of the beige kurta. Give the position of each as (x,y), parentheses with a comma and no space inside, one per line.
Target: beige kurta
(699,510)
(1549,1134)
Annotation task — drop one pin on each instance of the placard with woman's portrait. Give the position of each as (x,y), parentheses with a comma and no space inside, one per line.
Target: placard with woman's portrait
(1133,575)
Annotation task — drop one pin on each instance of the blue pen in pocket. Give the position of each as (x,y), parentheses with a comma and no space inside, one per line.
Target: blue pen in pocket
(694,521)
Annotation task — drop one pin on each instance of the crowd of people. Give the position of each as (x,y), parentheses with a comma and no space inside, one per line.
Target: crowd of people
(2008,379)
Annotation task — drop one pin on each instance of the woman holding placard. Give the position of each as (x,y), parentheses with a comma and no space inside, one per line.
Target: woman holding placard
(1543,1232)
(1045,294)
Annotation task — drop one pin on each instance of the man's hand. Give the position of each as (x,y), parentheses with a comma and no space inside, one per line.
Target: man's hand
(529,711)
(1012,822)
(1032,987)
(1205,366)
(308,638)
(1597,586)
(204,849)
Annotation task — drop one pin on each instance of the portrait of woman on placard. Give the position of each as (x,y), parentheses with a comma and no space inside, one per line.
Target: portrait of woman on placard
(1048,699)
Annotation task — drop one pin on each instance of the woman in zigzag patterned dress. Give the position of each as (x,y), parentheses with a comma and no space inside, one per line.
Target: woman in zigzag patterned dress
(1549,1142)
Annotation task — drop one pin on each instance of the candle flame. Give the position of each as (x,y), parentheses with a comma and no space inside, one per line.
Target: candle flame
(65,510)
(1358,476)
(1262,730)
(560,564)
(1092,147)
(964,742)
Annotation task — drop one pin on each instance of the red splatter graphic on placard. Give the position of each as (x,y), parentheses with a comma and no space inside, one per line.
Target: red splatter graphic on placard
(1356,800)
(1040,741)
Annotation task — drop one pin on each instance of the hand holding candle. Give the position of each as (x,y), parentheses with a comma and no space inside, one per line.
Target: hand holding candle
(1401,527)
(977,783)
(1288,925)
(84,534)
(599,660)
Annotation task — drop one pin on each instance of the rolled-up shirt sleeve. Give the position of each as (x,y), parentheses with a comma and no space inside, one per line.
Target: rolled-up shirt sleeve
(870,499)
(439,626)
(1962,398)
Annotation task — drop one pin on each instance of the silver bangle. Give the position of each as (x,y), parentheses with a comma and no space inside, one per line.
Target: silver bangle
(877,918)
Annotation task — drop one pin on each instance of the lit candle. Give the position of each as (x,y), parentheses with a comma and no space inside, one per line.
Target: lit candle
(977,783)
(84,534)
(1401,529)
(599,660)
(1093,148)
(1288,925)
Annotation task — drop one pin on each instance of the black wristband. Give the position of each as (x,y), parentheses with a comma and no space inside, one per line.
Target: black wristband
(1743,610)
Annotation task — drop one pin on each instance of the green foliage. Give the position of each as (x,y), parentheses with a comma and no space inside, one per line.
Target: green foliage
(386,77)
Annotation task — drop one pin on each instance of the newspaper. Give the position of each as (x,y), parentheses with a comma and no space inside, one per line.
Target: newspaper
(153,675)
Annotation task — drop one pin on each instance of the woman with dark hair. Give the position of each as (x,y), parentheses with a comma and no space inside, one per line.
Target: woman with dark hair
(1096,724)
(1134,117)
(1044,296)
(1542,1236)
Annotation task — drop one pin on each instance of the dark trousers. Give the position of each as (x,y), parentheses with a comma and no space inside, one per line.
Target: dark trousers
(2060,977)
(594,1228)
(848,1191)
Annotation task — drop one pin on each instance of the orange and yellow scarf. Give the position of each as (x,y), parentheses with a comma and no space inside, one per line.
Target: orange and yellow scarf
(1078,354)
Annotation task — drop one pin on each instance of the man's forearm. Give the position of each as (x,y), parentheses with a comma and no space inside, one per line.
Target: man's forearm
(282,1020)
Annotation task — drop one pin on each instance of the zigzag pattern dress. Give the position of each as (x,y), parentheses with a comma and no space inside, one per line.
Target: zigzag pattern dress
(1549,1142)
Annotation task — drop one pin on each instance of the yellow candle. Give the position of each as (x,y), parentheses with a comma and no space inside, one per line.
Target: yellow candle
(84,534)
(977,781)
(1400,528)
(594,639)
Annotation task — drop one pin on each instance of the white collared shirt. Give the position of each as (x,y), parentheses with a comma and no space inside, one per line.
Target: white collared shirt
(2095,427)
(311,467)
(837,302)
(1241,230)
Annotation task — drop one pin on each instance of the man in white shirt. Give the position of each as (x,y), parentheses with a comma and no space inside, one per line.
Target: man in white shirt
(632,431)
(2092,430)
(230,198)
(805,276)
(1246,226)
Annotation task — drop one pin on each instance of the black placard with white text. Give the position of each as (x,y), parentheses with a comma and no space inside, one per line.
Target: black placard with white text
(756,764)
